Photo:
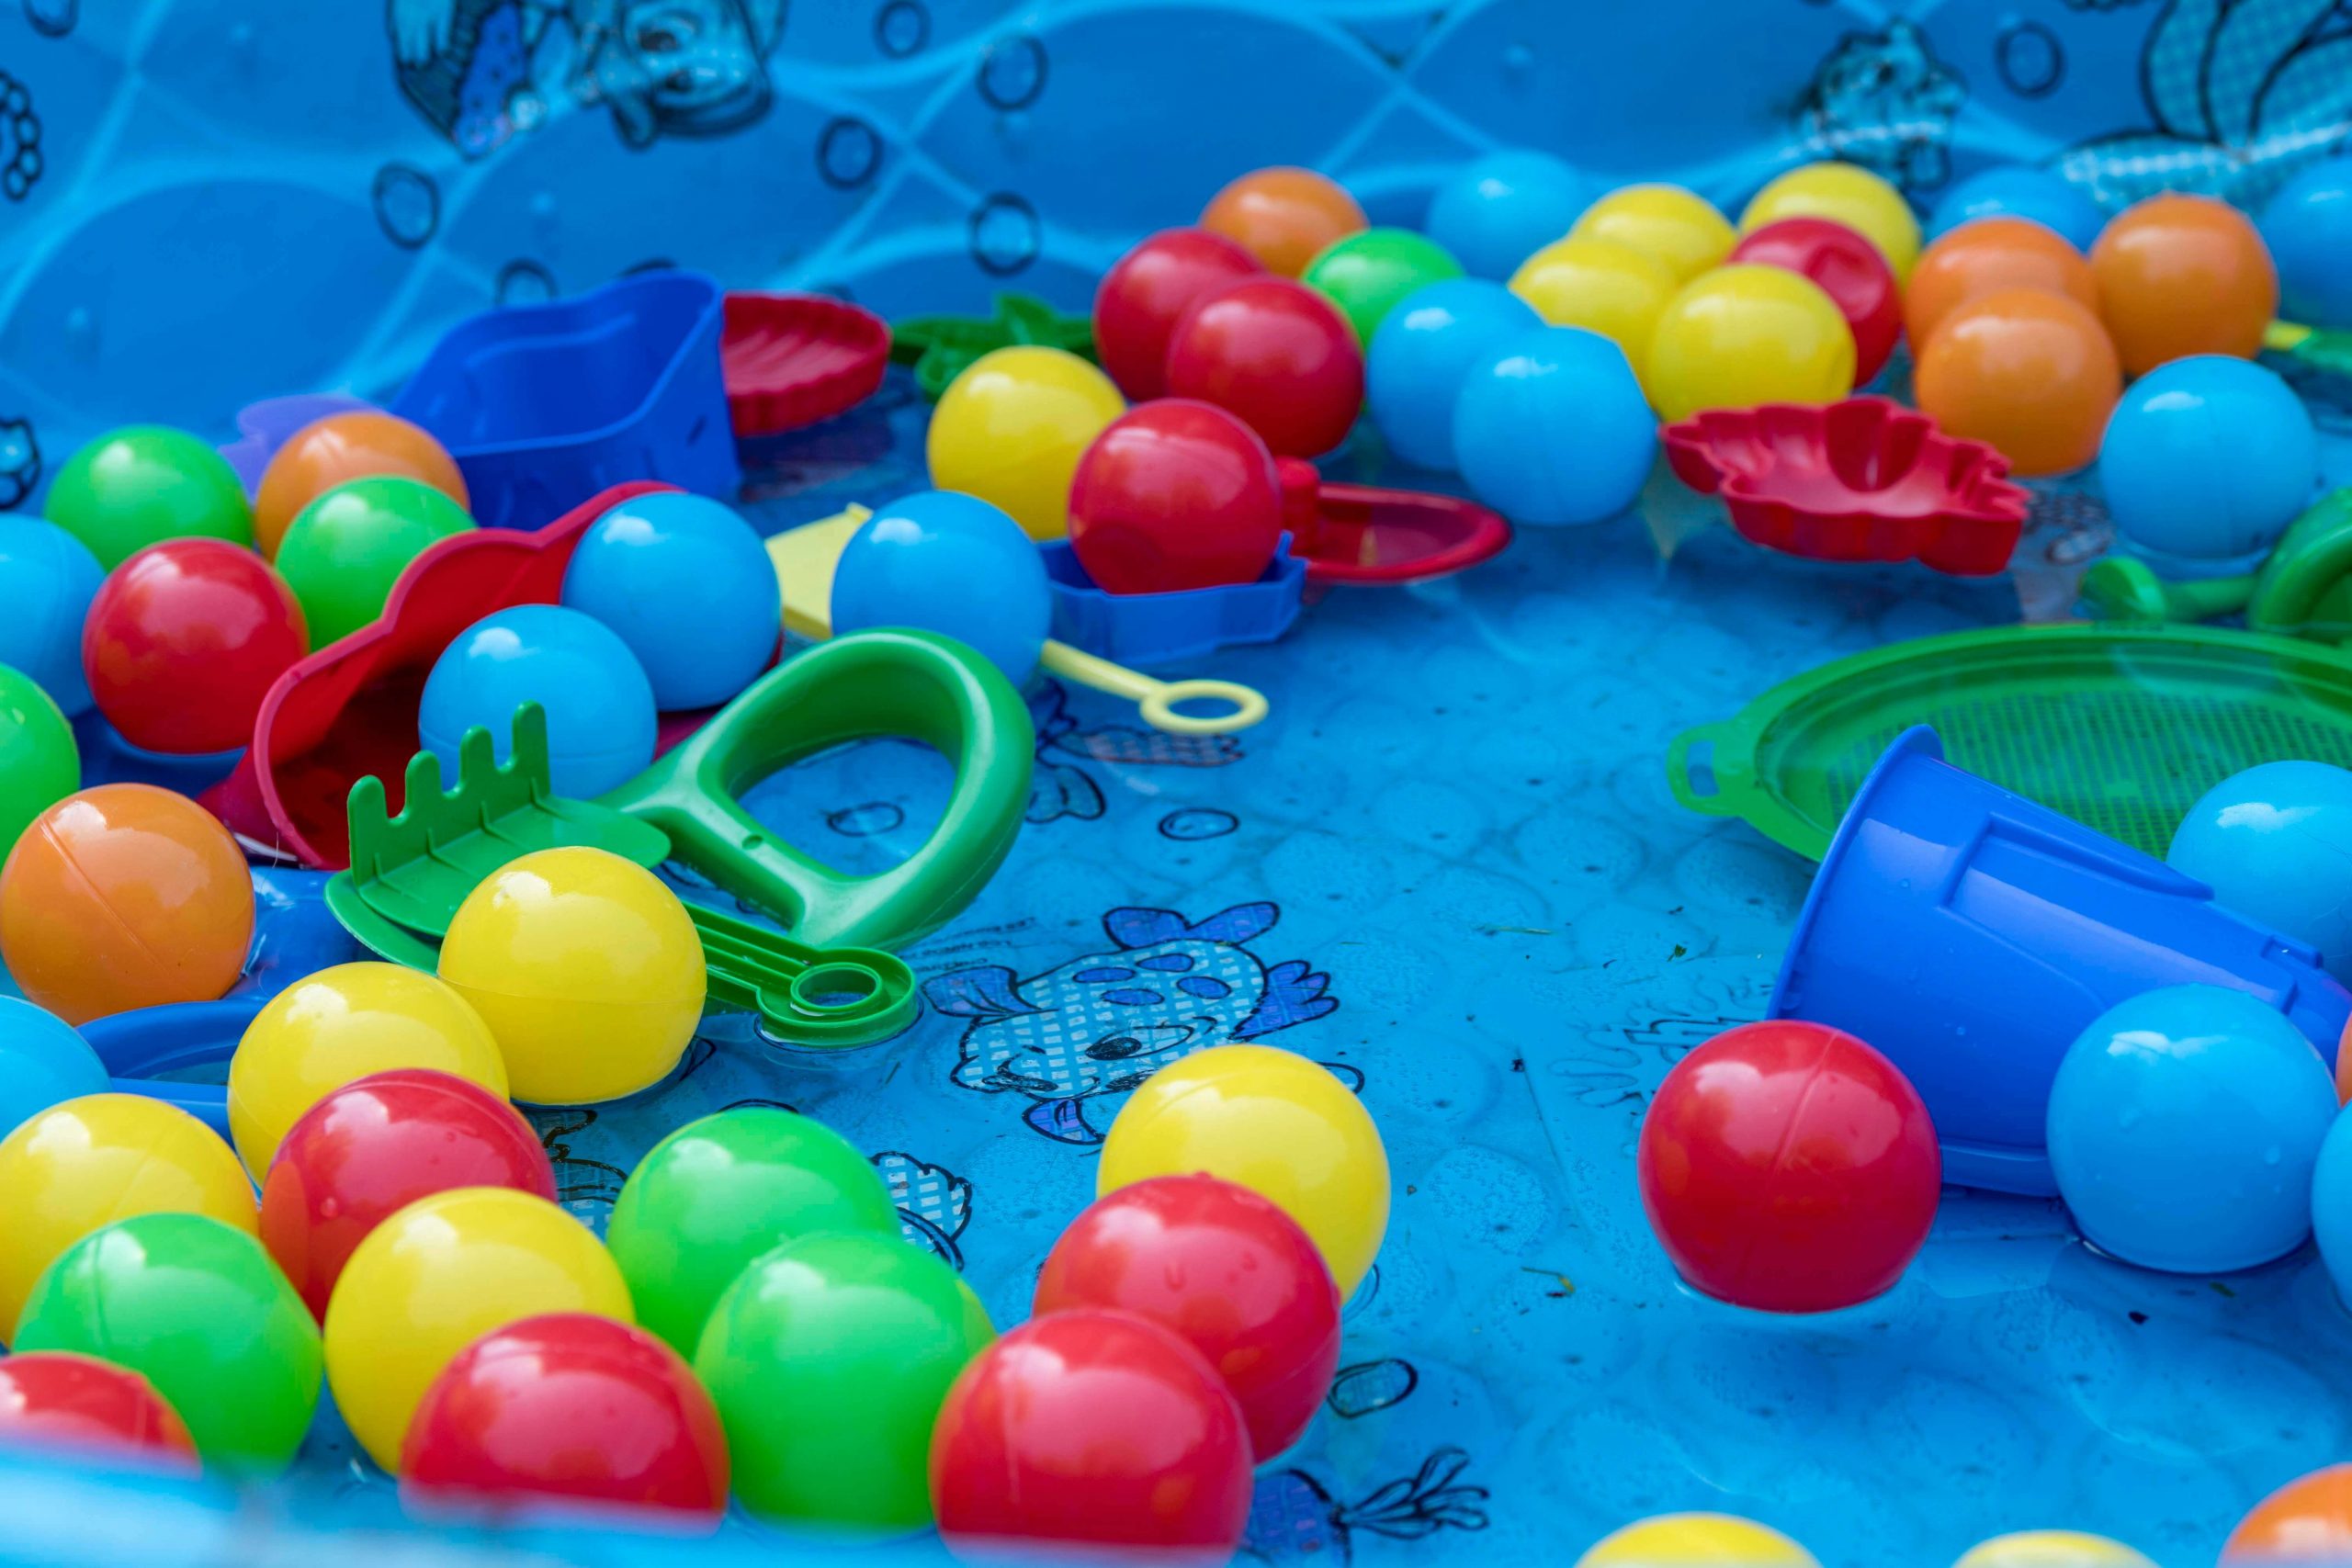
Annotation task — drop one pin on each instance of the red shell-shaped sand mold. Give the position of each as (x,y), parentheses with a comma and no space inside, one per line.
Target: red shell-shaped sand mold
(794,359)
(1866,480)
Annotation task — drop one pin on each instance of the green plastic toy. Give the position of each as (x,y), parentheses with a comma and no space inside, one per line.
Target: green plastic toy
(828,1360)
(2304,589)
(143,484)
(718,1193)
(1367,273)
(40,764)
(342,552)
(2119,727)
(829,985)
(199,1309)
(939,347)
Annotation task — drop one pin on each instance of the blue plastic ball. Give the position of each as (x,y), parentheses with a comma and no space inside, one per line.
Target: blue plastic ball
(42,1063)
(598,702)
(2308,226)
(1420,354)
(2019,190)
(2208,459)
(941,561)
(47,579)
(688,586)
(2332,1204)
(1552,427)
(1494,212)
(2184,1125)
(2275,844)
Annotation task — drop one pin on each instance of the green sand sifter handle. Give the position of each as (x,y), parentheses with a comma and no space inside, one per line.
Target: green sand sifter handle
(872,686)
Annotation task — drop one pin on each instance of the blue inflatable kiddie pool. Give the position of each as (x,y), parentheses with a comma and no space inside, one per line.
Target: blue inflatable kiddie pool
(1448,865)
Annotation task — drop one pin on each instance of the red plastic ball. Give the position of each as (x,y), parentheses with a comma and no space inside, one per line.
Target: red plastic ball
(183,641)
(1788,1166)
(1277,353)
(568,1405)
(1849,268)
(55,1399)
(1143,296)
(1229,1272)
(1092,1426)
(1173,495)
(375,1145)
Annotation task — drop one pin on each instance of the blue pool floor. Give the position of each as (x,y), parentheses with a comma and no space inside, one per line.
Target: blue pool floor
(1449,864)
(1448,868)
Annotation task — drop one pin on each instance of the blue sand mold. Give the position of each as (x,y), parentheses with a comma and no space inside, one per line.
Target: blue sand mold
(1456,814)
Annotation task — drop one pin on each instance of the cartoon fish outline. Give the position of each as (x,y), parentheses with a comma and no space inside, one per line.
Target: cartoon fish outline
(1095,1027)
(934,1204)
(1293,1516)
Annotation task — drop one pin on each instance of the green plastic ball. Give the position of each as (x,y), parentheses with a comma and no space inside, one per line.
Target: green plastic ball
(828,1360)
(145,483)
(342,552)
(718,1193)
(1367,273)
(198,1308)
(40,764)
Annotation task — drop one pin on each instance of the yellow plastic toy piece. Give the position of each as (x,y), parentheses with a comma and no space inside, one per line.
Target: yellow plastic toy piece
(1011,428)
(103,1157)
(1678,227)
(438,1275)
(1843,193)
(1602,286)
(1744,335)
(1275,1122)
(1697,1541)
(587,970)
(343,1023)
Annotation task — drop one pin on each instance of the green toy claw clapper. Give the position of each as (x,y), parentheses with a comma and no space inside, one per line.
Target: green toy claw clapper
(882,683)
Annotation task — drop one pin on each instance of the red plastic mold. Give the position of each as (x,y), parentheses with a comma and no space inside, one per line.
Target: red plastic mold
(794,359)
(1364,535)
(1866,480)
(350,709)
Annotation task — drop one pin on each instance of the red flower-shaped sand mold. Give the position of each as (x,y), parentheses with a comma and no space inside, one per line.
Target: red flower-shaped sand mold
(1866,480)
(794,359)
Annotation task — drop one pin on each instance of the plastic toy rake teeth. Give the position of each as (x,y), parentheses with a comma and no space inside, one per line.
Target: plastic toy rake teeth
(411,872)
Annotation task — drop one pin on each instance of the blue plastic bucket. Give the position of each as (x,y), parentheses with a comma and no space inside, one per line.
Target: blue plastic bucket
(544,405)
(1145,629)
(1970,934)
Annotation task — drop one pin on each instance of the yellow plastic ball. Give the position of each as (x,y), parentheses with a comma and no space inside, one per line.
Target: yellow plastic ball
(1843,193)
(1744,335)
(344,1023)
(2052,1549)
(89,1162)
(436,1276)
(1697,1541)
(587,970)
(1275,1122)
(1011,428)
(1602,286)
(1678,227)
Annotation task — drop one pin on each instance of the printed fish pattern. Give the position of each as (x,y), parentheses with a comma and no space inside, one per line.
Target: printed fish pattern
(1098,1026)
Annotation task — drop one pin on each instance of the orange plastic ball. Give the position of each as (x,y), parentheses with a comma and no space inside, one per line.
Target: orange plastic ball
(123,897)
(2032,373)
(1984,257)
(1284,217)
(2307,1520)
(2183,275)
(325,453)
